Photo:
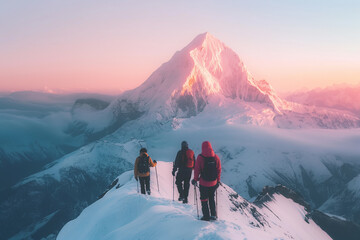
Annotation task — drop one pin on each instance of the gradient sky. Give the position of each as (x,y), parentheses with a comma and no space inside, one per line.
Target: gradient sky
(109,46)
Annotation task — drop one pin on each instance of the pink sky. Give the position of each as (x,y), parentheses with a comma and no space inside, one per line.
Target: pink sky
(113,46)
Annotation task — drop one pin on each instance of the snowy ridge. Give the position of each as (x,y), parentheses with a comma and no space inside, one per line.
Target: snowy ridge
(122,213)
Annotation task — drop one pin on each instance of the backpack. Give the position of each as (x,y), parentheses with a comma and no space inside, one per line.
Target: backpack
(188,159)
(209,173)
(143,165)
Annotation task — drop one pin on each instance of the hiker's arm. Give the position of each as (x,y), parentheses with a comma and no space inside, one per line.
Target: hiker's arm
(151,163)
(194,160)
(176,162)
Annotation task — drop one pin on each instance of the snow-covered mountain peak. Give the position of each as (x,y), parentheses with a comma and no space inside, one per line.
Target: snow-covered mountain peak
(208,76)
(217,69)
(202,40)
(205,68)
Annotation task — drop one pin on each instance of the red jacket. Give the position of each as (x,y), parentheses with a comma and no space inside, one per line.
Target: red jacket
(207,151)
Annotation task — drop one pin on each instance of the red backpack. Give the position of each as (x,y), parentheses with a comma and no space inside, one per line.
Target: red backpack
(188,159)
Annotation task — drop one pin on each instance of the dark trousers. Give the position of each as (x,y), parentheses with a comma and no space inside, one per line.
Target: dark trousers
(145,183)
(207,195)
(183,181)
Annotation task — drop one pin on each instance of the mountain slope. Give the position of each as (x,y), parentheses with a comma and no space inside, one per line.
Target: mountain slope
(122,213)
(204,68)
(35,129)
(64,189)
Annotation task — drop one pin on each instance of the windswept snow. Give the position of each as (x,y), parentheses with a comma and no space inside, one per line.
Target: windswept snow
(124,214)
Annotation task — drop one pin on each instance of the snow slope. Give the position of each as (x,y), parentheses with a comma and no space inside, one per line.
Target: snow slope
(124,214)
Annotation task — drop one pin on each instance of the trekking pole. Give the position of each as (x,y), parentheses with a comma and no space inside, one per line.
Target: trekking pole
(197,206)
(173,187)
(216,208)
(157,180)
(137,186)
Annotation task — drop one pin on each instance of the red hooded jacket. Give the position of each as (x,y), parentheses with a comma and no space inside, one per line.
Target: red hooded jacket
(207,151)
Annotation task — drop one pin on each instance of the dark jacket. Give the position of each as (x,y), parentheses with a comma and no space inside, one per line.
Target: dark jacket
(179,160)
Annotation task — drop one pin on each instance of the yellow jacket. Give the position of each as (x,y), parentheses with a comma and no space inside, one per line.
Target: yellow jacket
(151,164)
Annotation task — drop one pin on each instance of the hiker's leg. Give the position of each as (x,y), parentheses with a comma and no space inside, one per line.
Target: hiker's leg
(204,201)
(142,184)
(147,184)
(187,182)
(179,184)
(212,201)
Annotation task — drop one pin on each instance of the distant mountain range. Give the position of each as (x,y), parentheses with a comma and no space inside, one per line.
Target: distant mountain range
(341,97)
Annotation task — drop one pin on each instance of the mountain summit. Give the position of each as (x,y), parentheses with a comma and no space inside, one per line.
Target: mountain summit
(218,70)
(206,67)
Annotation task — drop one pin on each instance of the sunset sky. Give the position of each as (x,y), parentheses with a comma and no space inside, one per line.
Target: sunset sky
(110,46)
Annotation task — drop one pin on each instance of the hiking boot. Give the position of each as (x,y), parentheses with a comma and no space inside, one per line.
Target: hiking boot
(185,200)
(205,218)
(180,199)
(213,218)
(148,192)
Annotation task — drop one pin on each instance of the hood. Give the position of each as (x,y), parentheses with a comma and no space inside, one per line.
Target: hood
(207,150)
(184,145)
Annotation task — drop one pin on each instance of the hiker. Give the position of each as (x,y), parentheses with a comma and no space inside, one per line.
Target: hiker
(208,171)
(142,170)
(184,164)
